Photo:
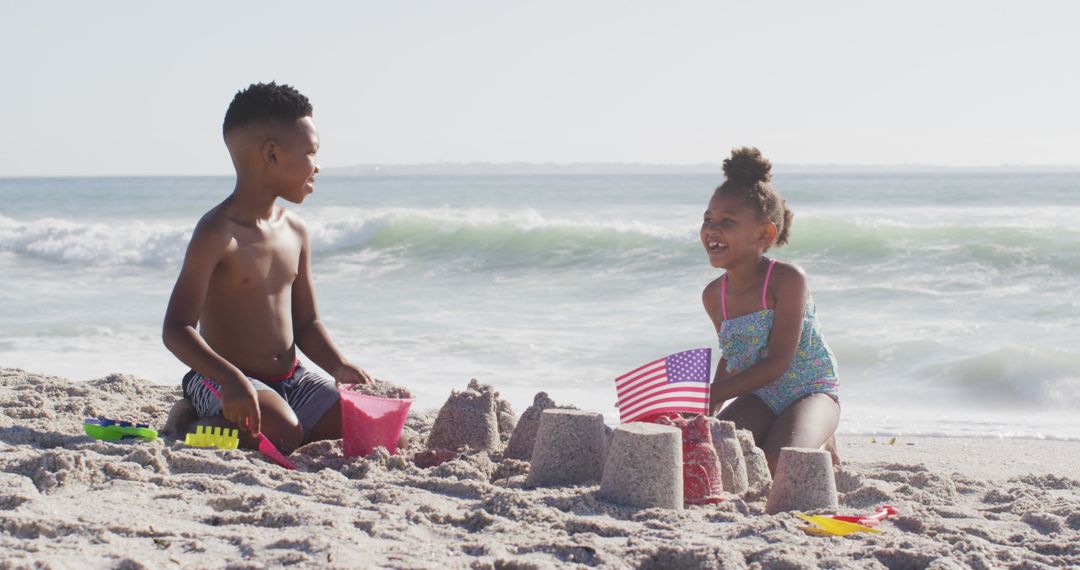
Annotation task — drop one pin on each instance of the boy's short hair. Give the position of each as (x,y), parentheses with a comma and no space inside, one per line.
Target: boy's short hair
(265,101)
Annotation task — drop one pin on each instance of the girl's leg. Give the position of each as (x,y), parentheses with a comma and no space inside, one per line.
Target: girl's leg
(809,422)
(749,412)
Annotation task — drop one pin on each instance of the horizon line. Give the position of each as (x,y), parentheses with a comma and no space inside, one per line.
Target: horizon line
(376,168)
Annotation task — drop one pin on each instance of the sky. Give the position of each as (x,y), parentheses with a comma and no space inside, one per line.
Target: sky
(140,88)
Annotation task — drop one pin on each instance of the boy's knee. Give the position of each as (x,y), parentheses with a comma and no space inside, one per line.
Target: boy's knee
(285,437)
(181,415)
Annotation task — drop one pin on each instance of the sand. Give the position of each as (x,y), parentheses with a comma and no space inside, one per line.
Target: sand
(67,501)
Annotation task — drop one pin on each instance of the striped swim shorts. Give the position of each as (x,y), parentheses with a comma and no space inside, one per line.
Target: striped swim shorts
(309,394)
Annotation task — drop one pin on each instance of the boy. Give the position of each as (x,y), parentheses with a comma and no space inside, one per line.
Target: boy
(246,281)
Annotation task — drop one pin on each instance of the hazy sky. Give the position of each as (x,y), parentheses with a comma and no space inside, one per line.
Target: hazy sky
(141,87)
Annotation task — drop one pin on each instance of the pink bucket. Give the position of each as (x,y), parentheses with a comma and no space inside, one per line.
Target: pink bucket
(368,422)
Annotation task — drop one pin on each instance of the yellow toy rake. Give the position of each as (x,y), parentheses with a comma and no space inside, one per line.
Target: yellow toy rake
(213,437)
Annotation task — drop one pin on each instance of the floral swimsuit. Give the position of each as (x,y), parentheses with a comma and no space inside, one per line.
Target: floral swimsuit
(744,340)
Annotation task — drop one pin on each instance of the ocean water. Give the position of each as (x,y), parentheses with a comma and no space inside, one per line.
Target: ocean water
(948,298)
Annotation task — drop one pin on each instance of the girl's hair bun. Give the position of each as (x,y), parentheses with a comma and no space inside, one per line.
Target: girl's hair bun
(747,167)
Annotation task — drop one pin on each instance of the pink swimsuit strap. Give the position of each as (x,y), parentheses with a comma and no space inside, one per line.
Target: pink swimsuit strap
(764,290)
(723,295)
(765,287)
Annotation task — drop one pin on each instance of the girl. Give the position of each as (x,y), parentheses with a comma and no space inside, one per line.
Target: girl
(775,361)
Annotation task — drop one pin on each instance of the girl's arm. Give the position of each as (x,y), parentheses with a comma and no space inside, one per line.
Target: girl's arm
(715,403)
(789,289)
(710,299)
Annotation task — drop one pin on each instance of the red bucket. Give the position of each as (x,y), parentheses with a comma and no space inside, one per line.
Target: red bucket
(368,422)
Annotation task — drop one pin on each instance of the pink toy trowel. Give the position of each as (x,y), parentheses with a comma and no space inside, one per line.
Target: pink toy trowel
(268,449)
(265,447)
(870,520)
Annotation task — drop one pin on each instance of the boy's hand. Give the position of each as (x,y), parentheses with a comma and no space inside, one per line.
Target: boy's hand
(349,374)
(240,405)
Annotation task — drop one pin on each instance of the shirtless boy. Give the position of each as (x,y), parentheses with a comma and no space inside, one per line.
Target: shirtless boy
(246,282)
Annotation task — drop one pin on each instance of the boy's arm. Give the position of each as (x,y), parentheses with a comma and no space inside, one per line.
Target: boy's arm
(208,244)
(310,333)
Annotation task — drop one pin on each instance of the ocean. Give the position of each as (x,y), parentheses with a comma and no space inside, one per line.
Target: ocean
(948,298)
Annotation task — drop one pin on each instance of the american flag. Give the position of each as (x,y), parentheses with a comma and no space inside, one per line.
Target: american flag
(677,383)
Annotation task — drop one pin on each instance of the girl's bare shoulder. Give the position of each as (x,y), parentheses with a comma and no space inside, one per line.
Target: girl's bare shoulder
(788,270)
(787,278)
(711,290)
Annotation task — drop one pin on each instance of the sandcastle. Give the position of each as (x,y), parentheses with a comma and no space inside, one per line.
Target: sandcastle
(702,479)
(469,418)
(732,464)
(522,439)
(757,466)
(644,467)
(804,481)
(570,448)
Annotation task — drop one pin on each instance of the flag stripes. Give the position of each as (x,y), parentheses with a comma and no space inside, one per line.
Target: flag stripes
(677,383)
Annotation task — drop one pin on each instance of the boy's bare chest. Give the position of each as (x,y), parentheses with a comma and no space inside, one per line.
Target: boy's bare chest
(261,262)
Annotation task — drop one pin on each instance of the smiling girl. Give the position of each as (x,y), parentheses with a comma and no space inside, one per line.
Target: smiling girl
(775,362)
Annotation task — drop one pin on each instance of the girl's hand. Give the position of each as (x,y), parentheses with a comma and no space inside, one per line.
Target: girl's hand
(240,405)
(350,374)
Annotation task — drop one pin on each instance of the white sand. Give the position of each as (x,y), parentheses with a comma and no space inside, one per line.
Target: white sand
(67,501)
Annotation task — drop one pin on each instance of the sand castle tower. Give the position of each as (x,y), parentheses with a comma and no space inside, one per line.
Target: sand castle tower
(733,464)
(570,448)
(522,439)
(804,481)
(644,467)
(468,419)
(757,466)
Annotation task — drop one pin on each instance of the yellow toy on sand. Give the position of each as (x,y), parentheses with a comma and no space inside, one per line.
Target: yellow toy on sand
(832,527)
(213,437)
(840,525)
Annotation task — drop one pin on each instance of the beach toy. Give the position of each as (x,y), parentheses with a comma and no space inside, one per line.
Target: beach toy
(112,430)
(702,479)
(229,439)
(879,515)
(804,481)
(213,437)
(368,422)
(569,449)
(265,447)
(268,449)
(827,525)
(644,467)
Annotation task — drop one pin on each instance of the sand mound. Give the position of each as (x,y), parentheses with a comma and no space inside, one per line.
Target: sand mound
(473,418)
(383,389)
(523,437)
